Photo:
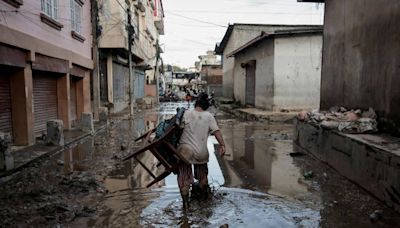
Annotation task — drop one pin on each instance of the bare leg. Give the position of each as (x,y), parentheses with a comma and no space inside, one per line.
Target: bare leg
(185,179)
(200,173)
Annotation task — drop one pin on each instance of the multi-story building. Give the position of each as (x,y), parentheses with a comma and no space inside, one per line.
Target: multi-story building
(211,74)
(146,20)
(209,59)
(210,69)
(45,65)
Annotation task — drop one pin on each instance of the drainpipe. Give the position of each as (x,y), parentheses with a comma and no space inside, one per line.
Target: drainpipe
(130,31)
(96,75)
(155,72)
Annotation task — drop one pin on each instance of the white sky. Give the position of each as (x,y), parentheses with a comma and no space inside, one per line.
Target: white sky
(185,38)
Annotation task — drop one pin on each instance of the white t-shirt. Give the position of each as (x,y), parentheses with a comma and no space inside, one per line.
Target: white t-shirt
(193,142)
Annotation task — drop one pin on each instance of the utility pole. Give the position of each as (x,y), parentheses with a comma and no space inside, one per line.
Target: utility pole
(95,42)
(155,72)
(131,32)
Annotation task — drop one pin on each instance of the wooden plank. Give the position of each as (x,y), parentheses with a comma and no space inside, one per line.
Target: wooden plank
(159,178)
(145,167)
(159,157)
(173,150)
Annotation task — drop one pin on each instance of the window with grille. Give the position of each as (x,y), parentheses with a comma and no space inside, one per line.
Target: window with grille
(50,7)
(76,16)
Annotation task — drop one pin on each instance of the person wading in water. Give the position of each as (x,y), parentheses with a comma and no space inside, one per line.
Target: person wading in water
(197,125)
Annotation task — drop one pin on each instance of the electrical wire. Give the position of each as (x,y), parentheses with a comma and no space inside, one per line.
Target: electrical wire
(198,20)
(238,12)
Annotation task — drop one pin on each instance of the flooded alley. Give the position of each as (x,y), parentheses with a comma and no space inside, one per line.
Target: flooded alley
(155,113)
(262,181)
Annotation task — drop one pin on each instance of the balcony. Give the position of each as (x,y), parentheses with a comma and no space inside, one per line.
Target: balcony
(159,16)
(140,5)
(159,23)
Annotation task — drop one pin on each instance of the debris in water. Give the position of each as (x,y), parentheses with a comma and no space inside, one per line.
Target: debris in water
(376,215)
(296,154)
(60,162)
(308,175)
(123,146)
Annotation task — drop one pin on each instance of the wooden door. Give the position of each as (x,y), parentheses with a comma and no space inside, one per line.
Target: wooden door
(251,83)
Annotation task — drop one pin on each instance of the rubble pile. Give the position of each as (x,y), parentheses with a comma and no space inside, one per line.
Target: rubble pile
(354,121)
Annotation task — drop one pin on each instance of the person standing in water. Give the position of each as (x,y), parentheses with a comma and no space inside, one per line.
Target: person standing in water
(197,125)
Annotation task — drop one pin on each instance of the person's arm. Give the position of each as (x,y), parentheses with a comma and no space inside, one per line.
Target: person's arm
(218,136)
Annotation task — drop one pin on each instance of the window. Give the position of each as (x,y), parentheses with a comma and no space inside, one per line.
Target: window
(76,16)
(137,25)
(50,7)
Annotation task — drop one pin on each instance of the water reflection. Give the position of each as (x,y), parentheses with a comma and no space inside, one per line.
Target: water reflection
(259,162)
(77,157)
(254,163)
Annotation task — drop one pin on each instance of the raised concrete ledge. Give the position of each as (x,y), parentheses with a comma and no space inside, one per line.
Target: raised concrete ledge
(25,156)
(371,161)
(251,114)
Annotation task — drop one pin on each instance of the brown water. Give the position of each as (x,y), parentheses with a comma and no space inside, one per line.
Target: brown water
(258,184)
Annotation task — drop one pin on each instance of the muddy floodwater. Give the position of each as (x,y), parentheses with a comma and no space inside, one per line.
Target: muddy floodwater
(263,181)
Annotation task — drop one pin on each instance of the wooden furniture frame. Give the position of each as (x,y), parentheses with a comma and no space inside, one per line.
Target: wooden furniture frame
(154,146)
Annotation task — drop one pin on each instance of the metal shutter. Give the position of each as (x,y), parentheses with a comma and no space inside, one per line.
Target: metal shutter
(120,82)
(139,84)
(5,104)
(44,100)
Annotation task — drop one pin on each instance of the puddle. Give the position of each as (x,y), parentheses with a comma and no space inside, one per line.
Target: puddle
(235,207)
(78,157)
(253,164)
(258,184)
(259,162)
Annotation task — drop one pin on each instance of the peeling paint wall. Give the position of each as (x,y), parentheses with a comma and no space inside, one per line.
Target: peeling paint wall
(297,74)
(288,72)
(242,34)
(264,56)
(361,60)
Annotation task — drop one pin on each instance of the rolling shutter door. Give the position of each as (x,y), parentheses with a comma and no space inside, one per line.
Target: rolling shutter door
(139,84)
(5,105)
(44,101)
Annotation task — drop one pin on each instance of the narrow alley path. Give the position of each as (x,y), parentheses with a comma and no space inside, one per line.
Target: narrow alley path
(262,182)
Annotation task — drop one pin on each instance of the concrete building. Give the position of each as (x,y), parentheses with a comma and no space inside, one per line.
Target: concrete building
(209,59)
(360,69)
(45,65)
(281,70)
(116,87)
(212,75)
(236,36)
(210,70)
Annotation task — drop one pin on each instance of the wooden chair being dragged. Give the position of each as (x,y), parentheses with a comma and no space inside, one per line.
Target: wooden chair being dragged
(162,149)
